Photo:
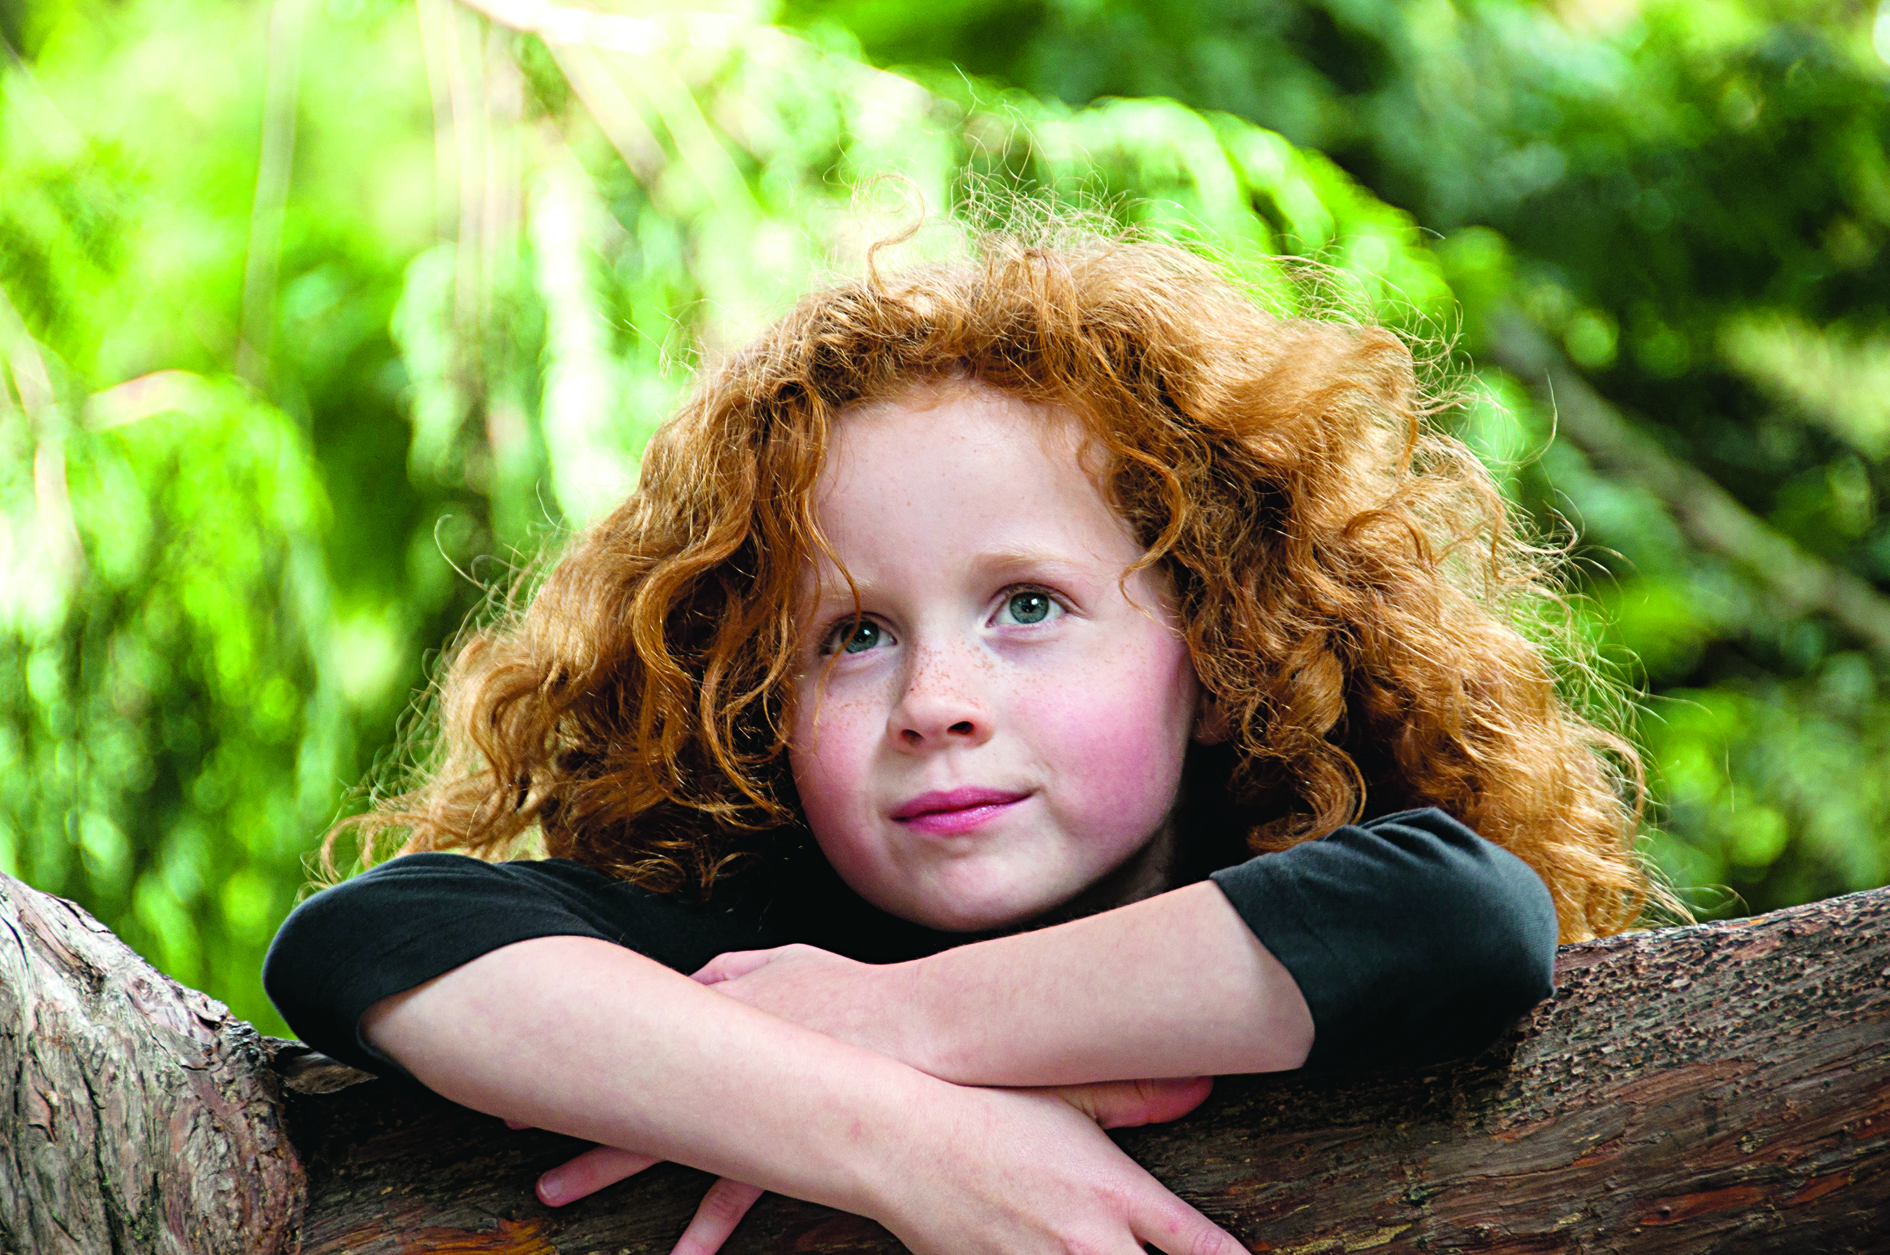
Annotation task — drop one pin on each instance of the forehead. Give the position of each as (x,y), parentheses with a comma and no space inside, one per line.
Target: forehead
(945,472)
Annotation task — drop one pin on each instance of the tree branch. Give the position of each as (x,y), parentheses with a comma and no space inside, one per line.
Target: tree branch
(1706,512)
(1722,1087)
(135,1115)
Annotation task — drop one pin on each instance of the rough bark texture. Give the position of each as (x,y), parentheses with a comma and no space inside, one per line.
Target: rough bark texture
(135,1114)
(1718,1088)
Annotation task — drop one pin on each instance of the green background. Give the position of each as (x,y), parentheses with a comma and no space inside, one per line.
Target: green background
(321,318)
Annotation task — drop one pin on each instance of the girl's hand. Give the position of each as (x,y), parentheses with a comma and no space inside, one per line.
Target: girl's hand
(721,1209)
(1026,1172)
(1108,1105)
(852,1001)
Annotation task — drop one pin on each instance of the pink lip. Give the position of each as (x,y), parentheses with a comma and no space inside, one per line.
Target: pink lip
(956,810)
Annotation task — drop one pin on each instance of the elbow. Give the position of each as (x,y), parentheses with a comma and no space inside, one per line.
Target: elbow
(1519,950)
(290,968)
(1509,984)
(1508,964)
(1515,948)
(1479,955)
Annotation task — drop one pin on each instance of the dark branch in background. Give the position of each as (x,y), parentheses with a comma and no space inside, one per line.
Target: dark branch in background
(1709,515)
(1723,1087)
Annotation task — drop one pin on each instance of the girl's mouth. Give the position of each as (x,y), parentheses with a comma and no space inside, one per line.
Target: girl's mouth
(955,811)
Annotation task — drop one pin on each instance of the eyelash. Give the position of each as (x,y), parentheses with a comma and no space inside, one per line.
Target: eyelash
(831,642)
(1004,599)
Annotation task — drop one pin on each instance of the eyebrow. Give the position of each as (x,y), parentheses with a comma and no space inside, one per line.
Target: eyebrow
(996,563)
(1017,559)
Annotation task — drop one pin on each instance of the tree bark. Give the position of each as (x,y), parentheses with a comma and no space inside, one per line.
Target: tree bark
(135,1114)
(1710,1088)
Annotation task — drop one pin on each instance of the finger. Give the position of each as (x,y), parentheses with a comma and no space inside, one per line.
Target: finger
(732,964)
(722,1208)
(588,1173)
(1170,1225)
(1125,1104)
(1154,1101)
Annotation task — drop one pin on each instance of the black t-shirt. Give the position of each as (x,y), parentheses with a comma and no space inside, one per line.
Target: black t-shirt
(1411,938)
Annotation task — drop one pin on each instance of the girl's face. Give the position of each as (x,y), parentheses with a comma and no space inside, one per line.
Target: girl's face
(1004,727)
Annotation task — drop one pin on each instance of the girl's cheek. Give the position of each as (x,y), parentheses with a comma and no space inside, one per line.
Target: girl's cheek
(1123,733)
(1132,774)
(830,746)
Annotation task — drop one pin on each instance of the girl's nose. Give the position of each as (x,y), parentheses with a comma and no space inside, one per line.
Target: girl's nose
(939,706)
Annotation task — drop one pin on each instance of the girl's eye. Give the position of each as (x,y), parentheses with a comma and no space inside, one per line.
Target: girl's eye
(856,638)
(1029,606)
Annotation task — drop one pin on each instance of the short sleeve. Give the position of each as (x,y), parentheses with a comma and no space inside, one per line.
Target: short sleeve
(414,918)
(1412,939)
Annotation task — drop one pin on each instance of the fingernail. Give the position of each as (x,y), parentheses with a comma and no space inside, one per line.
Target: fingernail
(550,1190)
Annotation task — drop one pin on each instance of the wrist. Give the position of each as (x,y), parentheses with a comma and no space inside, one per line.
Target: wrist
(906,1027)
(927,1030)
(884,1145)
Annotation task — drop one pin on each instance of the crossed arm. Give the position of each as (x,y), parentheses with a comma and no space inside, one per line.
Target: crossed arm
(877,1089)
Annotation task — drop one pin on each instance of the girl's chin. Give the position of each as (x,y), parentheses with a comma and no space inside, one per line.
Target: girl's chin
(990,912)
(983,888)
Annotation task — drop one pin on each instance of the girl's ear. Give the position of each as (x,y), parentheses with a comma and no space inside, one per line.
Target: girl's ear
(1211,725)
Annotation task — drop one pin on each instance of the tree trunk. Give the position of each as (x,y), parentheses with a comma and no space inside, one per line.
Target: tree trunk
(1714,1088)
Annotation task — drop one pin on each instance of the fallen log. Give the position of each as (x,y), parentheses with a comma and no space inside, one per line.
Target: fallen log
(1724,1087)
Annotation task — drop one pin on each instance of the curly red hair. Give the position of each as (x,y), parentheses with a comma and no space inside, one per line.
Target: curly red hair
(1353,590)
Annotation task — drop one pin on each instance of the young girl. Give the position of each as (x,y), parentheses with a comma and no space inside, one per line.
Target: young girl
(1047,671)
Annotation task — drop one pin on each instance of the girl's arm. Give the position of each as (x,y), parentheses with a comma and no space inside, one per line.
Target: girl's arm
(1408,940)
(1176,985)
(584,1037)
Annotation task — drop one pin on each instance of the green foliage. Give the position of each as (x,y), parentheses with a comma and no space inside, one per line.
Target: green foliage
(463,347)
(218,596)
(261,451)
(176,705)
